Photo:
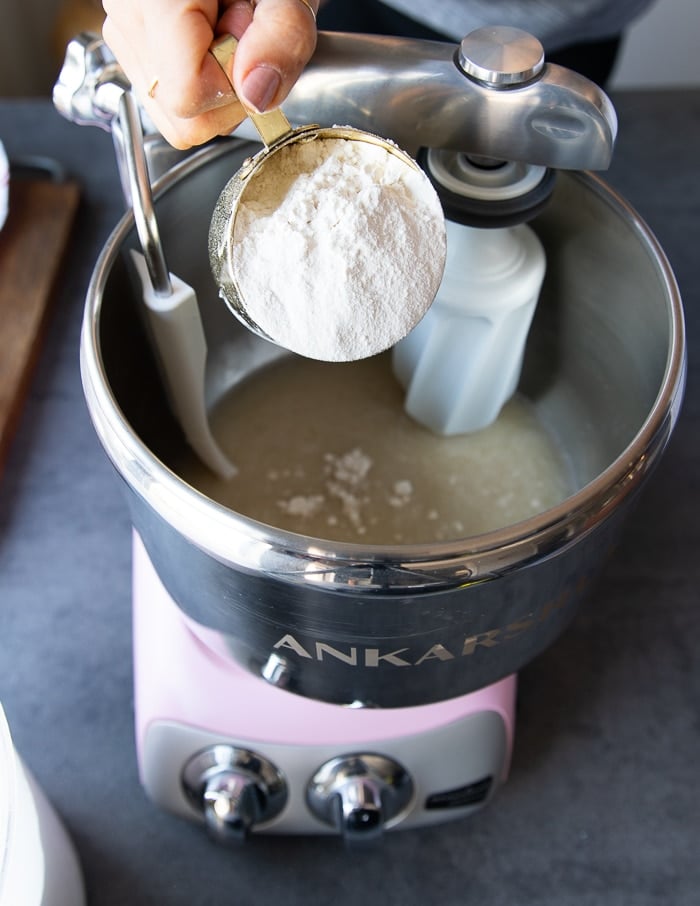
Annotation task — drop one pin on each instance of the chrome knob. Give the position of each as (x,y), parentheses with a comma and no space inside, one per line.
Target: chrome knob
(234,789)
(359,794)
(232,804)
(500,56)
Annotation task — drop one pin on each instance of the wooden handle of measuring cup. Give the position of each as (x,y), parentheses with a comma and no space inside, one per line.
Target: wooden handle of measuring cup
(272,125)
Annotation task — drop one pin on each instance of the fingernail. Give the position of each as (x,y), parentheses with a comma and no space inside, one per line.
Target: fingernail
(260,87)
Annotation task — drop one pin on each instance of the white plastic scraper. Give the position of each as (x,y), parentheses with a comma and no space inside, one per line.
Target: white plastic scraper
(463,360)
(181,348)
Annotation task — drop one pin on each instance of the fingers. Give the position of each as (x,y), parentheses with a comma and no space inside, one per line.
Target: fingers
(163,48)
(273,51)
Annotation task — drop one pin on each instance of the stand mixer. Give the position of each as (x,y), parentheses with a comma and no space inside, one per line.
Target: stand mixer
(288,684)
(215,741)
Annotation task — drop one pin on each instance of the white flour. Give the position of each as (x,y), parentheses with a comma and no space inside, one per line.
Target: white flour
(338,248)
(345,483)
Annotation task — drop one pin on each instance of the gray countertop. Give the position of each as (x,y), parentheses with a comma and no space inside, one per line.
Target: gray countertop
(602,802)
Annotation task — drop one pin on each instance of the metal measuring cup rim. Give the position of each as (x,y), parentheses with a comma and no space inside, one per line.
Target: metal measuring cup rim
(223,228)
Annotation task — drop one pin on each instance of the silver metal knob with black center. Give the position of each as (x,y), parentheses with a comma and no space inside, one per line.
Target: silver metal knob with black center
(359,794)
(234,789)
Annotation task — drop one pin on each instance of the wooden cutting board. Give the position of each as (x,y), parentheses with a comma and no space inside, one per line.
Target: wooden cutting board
(32,244)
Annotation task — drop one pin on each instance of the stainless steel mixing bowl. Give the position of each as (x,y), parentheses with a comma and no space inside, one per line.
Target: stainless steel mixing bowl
(398,626)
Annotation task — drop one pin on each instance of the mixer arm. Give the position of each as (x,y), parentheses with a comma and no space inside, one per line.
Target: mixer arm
(493,95)
(513,106)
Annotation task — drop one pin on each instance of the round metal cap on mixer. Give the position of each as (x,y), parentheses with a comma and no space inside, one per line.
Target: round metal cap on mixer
(501,56)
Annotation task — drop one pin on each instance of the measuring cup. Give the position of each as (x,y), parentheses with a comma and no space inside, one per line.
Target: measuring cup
(330,313)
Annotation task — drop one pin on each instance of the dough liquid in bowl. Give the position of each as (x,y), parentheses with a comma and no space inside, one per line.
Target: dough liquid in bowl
(327,450)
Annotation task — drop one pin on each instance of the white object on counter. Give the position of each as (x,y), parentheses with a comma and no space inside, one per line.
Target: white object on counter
(463,360)
(38,865)
(4,185)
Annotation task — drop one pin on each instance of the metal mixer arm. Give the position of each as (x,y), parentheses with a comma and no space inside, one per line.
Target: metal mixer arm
(418,93)
(493,95)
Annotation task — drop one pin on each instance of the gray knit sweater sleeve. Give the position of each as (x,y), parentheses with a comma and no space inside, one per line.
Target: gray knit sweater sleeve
(555,22)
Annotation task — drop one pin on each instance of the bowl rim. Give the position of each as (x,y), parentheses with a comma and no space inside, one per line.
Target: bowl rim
(246,544)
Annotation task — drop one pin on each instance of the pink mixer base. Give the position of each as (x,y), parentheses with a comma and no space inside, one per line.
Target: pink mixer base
(179,678)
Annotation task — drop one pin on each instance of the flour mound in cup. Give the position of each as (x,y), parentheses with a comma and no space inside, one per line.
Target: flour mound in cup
(338,248)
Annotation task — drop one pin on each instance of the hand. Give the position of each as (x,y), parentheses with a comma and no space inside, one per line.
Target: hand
(163,48)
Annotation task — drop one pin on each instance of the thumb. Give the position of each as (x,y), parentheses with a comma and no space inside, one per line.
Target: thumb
(273,51)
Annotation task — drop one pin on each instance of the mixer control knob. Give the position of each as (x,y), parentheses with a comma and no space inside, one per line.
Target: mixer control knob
(359,794)
(232,805)
(234,789)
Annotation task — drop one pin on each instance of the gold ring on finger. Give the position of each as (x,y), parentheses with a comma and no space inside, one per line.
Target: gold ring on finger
(309,7)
